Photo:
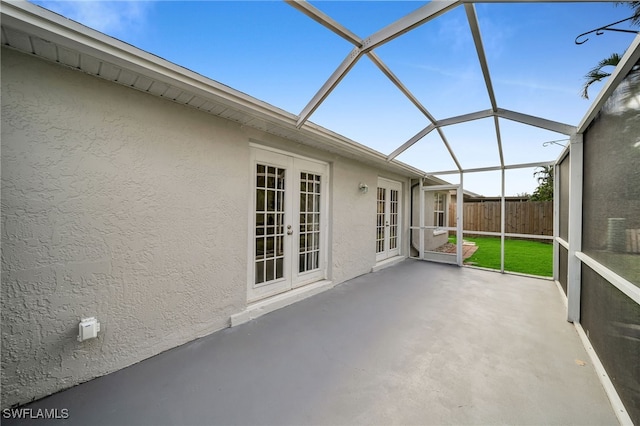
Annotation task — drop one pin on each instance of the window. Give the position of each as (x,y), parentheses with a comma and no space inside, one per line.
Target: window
(439,209)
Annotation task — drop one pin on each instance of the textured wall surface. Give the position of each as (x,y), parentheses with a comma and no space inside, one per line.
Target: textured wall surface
(354,232)
(118,205)
(352,224)
(127,207)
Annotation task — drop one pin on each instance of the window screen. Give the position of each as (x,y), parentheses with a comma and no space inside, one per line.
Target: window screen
(611,321)
(564,198)
(611,200)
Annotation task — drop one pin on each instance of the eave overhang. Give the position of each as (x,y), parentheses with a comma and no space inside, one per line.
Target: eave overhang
(36,31)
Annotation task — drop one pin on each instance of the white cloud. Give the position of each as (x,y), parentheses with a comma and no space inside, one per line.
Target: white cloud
(113,17)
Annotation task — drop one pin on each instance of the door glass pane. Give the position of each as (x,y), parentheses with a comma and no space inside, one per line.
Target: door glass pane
(261,176)
(259,272)
(269,253)
(393,220)
(380,228)
(309,258)
(271,177)
(270,269)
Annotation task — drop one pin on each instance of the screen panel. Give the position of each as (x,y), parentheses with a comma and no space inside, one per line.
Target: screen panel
(612,323)
(611,198)
(564,198)
(563,268)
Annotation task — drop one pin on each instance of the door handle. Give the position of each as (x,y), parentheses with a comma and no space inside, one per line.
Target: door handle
(289,230)
(386,223)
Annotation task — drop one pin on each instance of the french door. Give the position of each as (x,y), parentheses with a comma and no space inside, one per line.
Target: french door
(288,228)
(388,217)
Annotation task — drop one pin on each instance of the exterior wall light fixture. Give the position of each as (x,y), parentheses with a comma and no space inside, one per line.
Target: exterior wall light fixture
(363,187)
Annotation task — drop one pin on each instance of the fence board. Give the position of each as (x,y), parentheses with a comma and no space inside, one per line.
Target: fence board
(530,217)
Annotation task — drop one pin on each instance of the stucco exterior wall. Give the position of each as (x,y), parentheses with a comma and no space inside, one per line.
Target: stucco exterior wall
(355,225)
(133,209)
(353,214)
(117,205)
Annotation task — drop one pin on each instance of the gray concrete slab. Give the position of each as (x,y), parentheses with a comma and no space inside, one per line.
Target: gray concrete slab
(417,343)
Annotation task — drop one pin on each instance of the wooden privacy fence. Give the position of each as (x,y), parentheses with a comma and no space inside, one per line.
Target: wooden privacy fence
(521,217)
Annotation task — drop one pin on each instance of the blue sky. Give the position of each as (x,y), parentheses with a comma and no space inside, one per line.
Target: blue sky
(271,51)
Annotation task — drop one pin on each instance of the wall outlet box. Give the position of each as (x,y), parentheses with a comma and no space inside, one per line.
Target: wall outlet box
(88,329)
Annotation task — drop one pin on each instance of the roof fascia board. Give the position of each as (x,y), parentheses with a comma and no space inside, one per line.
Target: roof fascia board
(324,20)
(25,16)
(42,23)
(358,151)
(444,187)
(542,123)
(329,85)
(436,180)
(418,17)
(629,59)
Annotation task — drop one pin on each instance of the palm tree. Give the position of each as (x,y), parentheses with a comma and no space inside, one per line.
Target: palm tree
(597,73)
(635,5)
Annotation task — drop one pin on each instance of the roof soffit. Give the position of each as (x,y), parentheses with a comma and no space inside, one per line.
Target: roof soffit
(161,78)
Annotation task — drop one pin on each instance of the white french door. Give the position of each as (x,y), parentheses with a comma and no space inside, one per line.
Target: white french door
(388,217)
(288,226)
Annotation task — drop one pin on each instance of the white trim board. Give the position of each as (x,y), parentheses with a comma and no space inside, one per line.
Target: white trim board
(257,309)
(616,403)
(622,284)
(562,242)
(387,262)
(562,295)
(254,143)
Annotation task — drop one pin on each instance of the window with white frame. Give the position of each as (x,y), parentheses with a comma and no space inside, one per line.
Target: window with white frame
(439,206)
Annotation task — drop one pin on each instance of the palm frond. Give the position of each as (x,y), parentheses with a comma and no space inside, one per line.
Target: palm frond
(597,74)
(635,5)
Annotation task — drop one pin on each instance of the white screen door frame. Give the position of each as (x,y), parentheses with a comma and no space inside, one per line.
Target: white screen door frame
(429,196)
(288,222)
(388,219)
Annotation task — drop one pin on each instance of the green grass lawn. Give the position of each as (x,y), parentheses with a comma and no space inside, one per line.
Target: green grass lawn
(526,257)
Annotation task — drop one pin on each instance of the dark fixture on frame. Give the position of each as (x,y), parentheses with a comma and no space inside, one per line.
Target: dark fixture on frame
(601,30)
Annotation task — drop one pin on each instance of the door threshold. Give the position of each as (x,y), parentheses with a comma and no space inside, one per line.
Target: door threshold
(387,262)
(270,304)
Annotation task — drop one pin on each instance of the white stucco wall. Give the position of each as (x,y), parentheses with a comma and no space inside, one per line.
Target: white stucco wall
(352,235)
(131,208)
(117,205)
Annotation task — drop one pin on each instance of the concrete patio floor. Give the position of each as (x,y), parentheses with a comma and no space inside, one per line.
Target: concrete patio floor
(417,344)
